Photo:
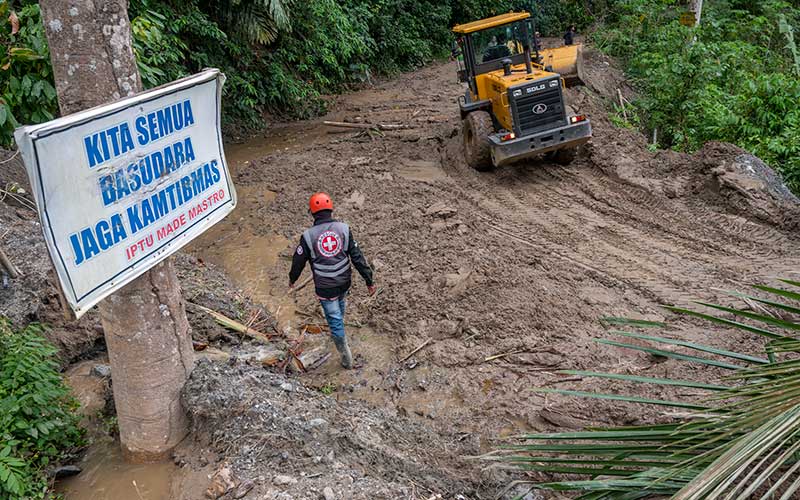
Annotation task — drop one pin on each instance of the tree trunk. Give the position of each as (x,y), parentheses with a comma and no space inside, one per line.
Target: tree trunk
(697,8)
(146,330)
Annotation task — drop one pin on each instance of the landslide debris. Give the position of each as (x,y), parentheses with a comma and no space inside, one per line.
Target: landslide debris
(294,443)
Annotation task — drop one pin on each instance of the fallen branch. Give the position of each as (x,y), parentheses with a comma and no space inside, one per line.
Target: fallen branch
(364,126)
(503,355)
(235,325)
(374,296)
(416,350)
(622,104)
(301,285)
(13,270)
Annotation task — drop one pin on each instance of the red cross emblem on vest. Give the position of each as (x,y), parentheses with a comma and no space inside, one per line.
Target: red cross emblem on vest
(329,244)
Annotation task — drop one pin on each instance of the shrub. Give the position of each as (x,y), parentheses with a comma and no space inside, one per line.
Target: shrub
(27,94)
(37,414)
(732,79)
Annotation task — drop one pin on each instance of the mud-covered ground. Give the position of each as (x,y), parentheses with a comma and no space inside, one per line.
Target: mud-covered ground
(522,262)
(502,276)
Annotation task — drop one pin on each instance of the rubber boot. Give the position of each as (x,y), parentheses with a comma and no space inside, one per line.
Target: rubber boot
(344,350)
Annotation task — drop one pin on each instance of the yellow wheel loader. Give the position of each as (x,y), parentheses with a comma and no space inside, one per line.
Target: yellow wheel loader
(514,105)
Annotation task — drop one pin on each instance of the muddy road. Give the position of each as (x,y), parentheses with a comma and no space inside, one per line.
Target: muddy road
(521,262)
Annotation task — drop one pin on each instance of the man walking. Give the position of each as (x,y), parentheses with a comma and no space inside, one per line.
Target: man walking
(569,36)
(329,247)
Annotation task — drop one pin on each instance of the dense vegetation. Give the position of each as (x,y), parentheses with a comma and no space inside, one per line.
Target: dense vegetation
(736,78)
(279,56)
(37,415)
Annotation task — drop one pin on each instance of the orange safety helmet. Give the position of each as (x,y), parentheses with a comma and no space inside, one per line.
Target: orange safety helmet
(320,201)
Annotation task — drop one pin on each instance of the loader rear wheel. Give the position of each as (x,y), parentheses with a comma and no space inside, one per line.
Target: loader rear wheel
(475,130)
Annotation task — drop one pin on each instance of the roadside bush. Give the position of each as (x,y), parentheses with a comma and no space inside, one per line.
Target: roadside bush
(733,79)
(279,56)
(27,94)
(37,414)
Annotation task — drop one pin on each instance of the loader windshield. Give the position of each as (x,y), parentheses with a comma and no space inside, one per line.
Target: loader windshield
(498,43)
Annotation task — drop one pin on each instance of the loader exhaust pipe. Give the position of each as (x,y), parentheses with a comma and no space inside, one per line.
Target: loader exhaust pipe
(506,66)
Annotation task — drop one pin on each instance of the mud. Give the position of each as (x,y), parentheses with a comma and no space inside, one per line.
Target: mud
(524,260)
(272,429)
(105,475)
(501,276)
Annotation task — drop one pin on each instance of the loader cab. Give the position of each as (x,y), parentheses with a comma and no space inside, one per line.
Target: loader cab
(515,106)
(491,44)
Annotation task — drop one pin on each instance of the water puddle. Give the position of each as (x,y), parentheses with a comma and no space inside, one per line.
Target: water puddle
(105,475)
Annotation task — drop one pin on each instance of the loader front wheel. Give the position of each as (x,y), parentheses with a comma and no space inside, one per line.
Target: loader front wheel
(565,156)
(475,130)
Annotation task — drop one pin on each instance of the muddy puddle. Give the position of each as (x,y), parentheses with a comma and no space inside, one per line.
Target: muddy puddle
(251,260)
(105,475)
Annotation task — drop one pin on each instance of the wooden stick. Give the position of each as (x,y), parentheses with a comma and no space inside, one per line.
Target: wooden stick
(234,325)
(13,270)
(365,126)
(301,285)
(417,349)
(622,104)
(498,356)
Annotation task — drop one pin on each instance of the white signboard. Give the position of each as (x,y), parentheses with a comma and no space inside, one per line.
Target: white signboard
(121,187)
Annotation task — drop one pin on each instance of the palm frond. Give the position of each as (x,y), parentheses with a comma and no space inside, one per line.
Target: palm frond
(741,440)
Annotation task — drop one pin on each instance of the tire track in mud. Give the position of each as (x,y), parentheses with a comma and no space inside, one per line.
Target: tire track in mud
(636,239)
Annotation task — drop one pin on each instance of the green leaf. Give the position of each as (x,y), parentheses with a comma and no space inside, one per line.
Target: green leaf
(617,397)
(23,54)
(669,354)
(714,319)
(613,320)
(646,380)
(759,317)
(697,347)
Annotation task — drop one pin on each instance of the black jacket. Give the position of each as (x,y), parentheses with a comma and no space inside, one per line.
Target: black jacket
(353,251)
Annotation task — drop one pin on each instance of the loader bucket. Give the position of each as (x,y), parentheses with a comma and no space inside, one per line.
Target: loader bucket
(567,61)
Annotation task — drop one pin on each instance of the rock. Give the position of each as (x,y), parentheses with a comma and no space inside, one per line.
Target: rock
(66,471)
(103,371)
(317,422)
(356,199)
(441,209)
(266,355)
(221,482)
(212,354)
(283,480)
(243,489)
(286,386)
(328,494)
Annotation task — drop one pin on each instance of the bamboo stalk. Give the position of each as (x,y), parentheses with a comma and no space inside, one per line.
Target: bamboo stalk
(13,270)
(364,126)
(417,349)
(234,325)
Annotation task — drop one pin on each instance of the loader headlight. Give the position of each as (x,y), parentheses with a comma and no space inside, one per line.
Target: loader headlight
(517,93)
